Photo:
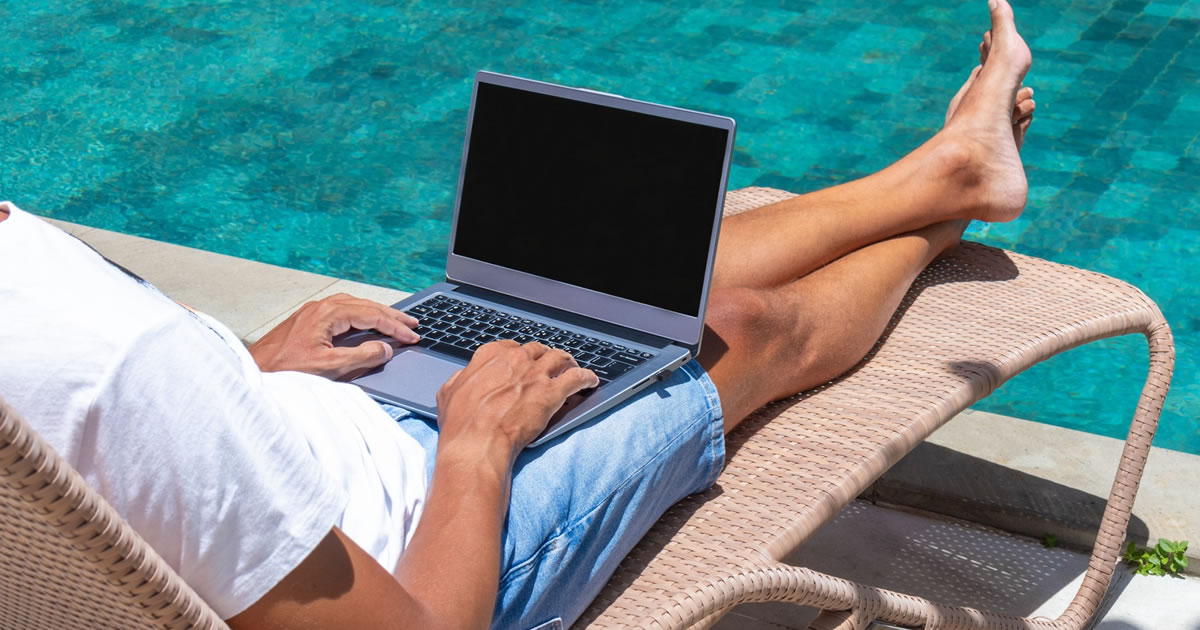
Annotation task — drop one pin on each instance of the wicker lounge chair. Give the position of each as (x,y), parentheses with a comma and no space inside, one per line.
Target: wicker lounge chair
(973,320)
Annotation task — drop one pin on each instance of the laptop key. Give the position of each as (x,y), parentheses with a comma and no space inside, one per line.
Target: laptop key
(629,358)
(453,351)
(612,370)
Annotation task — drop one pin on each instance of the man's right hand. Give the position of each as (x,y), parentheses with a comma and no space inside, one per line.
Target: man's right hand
(503,399)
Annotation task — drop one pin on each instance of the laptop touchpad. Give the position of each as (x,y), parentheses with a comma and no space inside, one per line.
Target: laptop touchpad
(415,376)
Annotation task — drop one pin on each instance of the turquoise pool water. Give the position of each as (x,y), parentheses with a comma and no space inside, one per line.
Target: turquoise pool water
(325,135)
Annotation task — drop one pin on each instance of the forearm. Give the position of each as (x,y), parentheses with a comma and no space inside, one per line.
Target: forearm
(452,564)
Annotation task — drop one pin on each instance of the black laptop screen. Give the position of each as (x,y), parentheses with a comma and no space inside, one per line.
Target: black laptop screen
(610,200)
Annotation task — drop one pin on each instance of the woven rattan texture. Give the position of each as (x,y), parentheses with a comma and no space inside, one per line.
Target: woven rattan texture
(971,321)
(67,560)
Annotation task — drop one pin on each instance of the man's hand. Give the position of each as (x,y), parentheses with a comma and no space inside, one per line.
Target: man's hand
(505,396)
(304,341)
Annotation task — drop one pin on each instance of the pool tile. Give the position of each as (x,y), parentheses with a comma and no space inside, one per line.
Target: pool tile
(208,112)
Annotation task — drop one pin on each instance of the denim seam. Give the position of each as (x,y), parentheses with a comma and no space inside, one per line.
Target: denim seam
(518,568)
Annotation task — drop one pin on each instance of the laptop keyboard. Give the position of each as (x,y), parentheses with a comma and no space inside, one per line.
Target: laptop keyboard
(458,327)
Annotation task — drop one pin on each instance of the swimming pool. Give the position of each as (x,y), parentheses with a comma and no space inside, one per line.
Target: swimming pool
(325,135)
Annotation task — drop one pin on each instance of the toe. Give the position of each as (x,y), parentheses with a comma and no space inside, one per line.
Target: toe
(1023,109)
(1019,129)
(1002,16)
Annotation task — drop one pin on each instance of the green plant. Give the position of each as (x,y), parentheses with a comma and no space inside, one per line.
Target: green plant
(1049,541)
(1165,558)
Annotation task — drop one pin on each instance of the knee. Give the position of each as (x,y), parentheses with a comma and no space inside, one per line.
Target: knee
(771,339)
(741,317)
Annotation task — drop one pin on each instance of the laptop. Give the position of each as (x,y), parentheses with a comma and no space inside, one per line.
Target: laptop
(584,221)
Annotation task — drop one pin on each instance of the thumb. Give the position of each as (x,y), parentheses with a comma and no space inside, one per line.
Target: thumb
(365,355)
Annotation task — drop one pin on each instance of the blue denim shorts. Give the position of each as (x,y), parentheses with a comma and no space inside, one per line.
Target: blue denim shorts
(581,502)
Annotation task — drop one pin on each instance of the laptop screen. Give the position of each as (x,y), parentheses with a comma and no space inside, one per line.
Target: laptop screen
(615,201)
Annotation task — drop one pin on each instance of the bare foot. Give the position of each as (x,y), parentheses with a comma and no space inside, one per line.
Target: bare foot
(1023,105)
(986,126)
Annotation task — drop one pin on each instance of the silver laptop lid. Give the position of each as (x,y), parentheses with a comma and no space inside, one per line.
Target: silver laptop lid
(592,203)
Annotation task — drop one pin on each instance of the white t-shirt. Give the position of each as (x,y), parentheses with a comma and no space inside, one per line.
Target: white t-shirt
(232,475)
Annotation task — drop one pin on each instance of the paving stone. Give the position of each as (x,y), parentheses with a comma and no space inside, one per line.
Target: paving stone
(242,294)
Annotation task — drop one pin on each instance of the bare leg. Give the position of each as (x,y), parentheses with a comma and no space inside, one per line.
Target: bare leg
(805,287)
(764,344)
(969,170)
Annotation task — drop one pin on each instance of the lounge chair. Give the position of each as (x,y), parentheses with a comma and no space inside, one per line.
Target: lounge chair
(972,320)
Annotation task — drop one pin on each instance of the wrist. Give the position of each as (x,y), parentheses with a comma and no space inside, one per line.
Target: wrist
(491,452)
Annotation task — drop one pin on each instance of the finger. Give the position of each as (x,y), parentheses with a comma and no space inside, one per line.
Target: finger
(346,315)
(554,362)
(535,350)
(369,354)
(492,348)
(573,381)
(401,316)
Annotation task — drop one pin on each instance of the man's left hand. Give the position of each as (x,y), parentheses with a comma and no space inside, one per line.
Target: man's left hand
(304,341)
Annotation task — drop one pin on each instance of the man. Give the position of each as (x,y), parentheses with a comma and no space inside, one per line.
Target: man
(290,501)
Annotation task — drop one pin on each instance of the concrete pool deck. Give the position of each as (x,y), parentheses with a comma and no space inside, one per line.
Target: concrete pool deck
(1022,484)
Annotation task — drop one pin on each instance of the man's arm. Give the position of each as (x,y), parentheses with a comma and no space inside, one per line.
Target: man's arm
(448,576)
